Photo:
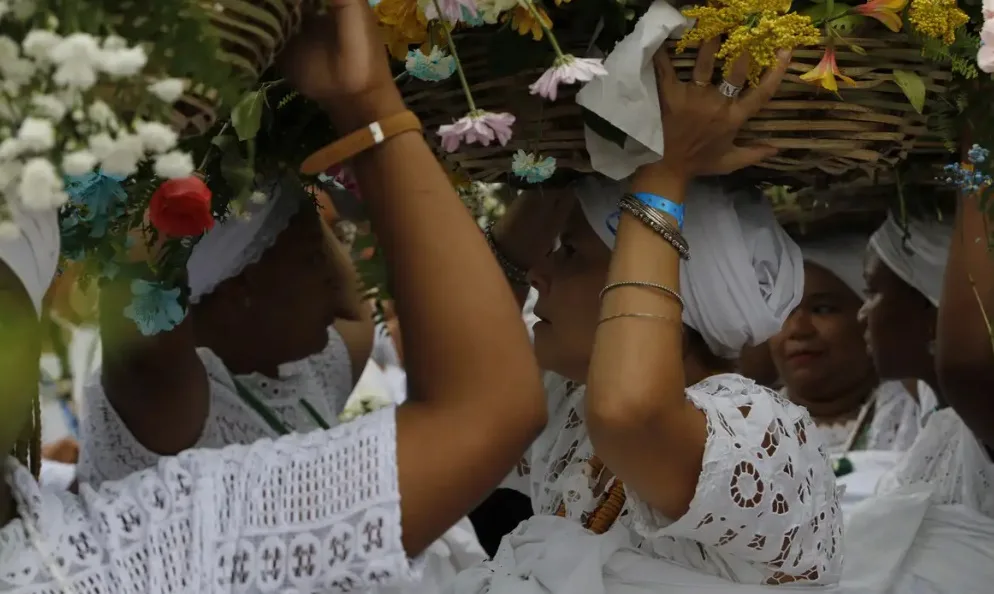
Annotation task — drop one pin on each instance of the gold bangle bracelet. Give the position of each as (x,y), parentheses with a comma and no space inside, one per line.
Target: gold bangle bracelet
(645,285)
(647,316)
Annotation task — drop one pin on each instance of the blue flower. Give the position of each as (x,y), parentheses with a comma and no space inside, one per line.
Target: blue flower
(154,309)
(97,198)
(470,19)
(966,179)
(434,67)
(977,154)
(530,168)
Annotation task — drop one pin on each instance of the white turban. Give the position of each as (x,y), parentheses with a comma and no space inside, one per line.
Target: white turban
(33,255)
(745,275)
(919,260)
(842,255)
(233,244)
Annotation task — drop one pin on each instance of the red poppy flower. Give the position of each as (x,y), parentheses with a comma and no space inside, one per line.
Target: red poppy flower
(181,207)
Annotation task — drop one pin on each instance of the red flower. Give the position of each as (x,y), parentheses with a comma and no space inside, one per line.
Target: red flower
(181,207)
(344,178)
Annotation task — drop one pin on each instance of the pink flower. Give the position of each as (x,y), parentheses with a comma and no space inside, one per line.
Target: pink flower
(477,126)
(344,178)
(452,10)
(985,56)
(567,69)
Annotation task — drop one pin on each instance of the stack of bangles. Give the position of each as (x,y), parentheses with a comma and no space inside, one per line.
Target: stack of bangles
(649,209)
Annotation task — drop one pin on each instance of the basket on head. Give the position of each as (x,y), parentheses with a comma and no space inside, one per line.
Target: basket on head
(868,127)
(250,33)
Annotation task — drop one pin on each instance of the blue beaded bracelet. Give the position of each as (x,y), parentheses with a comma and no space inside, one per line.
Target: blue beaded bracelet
(663,205)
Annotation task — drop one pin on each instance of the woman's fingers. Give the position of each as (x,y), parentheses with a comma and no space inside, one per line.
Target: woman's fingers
(704,66)
(665,73)
(740,71)
(757,97)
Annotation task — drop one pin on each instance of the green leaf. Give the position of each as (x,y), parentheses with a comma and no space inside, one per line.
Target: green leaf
(913,87)
(603,128)
(246,117)
(858,49)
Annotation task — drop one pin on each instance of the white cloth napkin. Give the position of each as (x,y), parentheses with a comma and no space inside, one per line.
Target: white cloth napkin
(627,97)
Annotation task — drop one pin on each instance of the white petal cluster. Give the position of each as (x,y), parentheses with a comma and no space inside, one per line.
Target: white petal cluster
(58,117)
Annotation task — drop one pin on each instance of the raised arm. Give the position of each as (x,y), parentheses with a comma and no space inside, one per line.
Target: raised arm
(965,357)
(635,389)
(474,394)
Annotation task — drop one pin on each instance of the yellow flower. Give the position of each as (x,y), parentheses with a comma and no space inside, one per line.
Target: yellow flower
(523,21)
(761,41)
(885,11)
(723,16)
(825,72)
(402,25)
(937,19)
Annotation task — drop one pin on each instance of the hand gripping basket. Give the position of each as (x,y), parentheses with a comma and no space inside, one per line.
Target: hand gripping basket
(250,32)
(869,128)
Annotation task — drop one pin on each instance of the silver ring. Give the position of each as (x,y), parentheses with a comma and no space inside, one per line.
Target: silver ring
(729,90)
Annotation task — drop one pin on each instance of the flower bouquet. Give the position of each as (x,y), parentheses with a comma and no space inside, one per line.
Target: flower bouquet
(494,80)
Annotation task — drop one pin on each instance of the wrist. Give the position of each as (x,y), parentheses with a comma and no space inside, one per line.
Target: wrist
(664,179)
(361,111)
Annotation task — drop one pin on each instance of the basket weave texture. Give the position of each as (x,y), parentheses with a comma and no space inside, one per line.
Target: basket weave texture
(870,128)
(251,33)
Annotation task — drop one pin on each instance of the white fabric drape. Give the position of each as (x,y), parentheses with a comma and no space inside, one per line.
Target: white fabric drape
(233,244)
(745,274)
(842,255)
(32,255)
(918,256)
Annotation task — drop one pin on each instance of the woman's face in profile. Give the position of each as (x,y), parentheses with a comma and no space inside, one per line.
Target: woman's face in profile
(20,351)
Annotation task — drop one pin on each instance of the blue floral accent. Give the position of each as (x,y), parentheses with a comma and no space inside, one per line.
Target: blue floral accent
(97,198)
(968,178)
(977,154)
(470,19)
(434,67)
(530,168)
(154,309)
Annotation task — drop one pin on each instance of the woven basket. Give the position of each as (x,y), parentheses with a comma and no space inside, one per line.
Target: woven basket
(251,32)
(870,128)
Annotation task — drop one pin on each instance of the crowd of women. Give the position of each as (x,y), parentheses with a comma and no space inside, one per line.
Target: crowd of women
(655,459)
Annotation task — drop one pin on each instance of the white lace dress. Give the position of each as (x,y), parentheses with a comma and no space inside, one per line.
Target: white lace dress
(306,513)
(765,512)
(309,393)
(930,527)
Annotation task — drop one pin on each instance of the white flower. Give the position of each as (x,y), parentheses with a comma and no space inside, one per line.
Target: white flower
(49,106)
(8,49)
(115,43)
(167,89)
(39,43)
(156,137)
(175,164)
(258,197)
(102,115)
(10,148)
(490,10)
(77,58)
(78,162)
(121,157)
(123,62)
(9,230)
(10,172)
(24,9)
(36,134)
(17,73)
(41,185)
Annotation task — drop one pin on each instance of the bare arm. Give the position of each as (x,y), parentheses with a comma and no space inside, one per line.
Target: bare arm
(965,358)
(641,423)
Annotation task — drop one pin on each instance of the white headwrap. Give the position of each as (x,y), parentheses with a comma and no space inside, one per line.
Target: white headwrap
(842,255)
(919,260)
(230,246)
(34,254)
(745,275)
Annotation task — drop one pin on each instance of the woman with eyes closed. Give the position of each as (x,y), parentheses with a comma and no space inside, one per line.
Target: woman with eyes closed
(823,360)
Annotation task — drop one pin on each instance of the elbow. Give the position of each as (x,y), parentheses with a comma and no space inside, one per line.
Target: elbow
(626,411)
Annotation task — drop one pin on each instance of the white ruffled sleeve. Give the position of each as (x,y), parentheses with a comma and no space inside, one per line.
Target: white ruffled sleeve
(304,513)
(766,494)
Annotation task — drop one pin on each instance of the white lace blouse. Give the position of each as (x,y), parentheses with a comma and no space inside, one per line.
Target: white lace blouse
(306,513)
(766,510)
(311,392)
(951,460)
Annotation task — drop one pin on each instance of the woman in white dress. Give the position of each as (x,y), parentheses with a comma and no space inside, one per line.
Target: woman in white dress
(717,484)
(929,529)
(822,357)
(315,512)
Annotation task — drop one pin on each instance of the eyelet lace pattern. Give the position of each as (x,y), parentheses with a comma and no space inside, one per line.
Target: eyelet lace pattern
(766,510)
(306,513)
(109,451)
(950,459)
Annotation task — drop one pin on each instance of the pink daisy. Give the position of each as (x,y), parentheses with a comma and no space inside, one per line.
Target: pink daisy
(477,126)
(452,10)
(567,69)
